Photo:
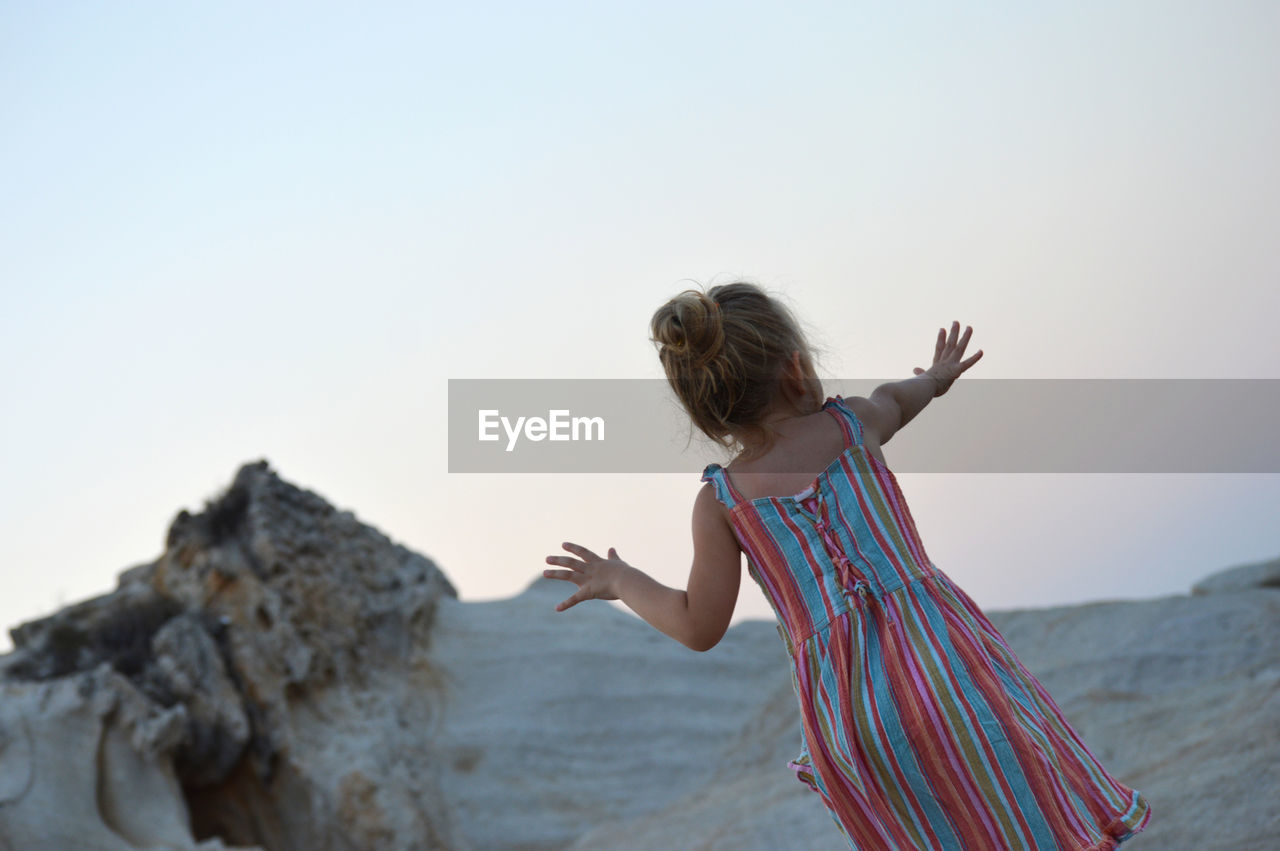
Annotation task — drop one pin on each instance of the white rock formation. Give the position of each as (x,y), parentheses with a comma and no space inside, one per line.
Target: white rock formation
(285,677)
(263,683)
(597,732)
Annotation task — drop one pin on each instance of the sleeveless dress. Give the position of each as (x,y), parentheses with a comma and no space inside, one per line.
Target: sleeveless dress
(920,727)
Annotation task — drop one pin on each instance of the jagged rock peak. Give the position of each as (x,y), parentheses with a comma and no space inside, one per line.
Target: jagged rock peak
(265,556)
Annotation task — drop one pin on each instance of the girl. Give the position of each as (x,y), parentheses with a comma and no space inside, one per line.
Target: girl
(921,729)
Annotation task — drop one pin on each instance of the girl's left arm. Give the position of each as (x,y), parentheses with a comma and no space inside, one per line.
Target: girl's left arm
(697,617)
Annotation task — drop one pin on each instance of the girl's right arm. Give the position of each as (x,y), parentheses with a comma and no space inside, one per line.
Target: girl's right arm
(697,617)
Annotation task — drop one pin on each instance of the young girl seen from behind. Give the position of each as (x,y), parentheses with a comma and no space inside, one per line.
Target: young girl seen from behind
(921,729)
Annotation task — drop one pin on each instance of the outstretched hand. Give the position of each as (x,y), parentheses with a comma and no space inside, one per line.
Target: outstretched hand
(594,576)
(947,365)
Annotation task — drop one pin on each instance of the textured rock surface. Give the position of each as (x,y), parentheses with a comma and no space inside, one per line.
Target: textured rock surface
(285,677)
(596,732)
(263,683)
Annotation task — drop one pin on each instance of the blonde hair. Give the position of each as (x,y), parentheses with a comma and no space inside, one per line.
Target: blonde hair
(724,352)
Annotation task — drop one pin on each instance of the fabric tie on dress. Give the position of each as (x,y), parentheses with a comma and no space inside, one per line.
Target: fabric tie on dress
(845,571)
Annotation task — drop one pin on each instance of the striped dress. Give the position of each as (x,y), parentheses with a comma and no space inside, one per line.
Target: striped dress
(920,727)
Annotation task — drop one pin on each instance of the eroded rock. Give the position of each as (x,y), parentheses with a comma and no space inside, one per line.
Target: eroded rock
(261,684)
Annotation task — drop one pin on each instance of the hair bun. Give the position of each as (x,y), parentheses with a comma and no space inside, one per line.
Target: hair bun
(724,352)
(691,326)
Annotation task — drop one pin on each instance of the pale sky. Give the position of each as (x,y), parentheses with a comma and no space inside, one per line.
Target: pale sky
(234,232)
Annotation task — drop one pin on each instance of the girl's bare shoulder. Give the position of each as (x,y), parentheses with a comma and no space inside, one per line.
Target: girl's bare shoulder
(878,422)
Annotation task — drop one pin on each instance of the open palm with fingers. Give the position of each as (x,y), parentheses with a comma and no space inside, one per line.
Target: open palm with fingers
(594,576)
(947,365)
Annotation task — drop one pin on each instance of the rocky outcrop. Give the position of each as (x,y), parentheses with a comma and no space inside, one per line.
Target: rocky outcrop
(286,677)
(1247,579)
(263,683)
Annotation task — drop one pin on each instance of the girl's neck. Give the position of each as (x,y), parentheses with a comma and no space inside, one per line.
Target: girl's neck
(779,416)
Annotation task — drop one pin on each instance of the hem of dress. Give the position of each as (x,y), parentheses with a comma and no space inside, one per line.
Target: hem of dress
(804,773)
(1113,839)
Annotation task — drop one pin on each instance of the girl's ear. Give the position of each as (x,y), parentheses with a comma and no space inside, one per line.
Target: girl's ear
(803,378)
(795,376)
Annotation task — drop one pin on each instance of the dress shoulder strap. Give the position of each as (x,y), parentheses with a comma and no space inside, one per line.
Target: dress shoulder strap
(849,424)
(848,420)
(715,474)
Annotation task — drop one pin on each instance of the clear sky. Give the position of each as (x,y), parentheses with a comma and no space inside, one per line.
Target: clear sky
(238,231)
